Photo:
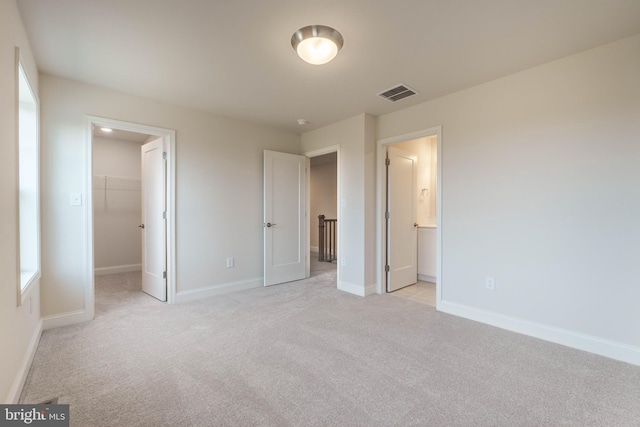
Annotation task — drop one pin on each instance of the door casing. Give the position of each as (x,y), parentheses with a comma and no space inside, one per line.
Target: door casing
(169,136)
(381,242)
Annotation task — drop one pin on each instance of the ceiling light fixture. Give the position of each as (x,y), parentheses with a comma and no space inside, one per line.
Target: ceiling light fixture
(106,130)
(317,44)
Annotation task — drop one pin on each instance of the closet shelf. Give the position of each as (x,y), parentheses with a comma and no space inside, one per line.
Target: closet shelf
(111,182)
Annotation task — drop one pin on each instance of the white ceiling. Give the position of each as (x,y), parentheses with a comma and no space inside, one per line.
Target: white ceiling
(234,58)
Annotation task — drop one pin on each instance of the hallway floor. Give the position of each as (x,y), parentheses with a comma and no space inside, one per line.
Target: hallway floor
(422,292)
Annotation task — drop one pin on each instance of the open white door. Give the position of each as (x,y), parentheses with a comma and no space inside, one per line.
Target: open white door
(284,217)
(402,232)
(154,250)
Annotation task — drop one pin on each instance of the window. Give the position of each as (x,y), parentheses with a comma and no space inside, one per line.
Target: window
(28,183)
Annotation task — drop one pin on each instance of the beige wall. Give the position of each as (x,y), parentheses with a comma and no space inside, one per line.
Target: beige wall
(219,189)
(356,240)
(541,190)
(19,326)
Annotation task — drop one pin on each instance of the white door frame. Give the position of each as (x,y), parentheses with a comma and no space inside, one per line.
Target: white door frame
(315,153)
(381,243)
(169,136)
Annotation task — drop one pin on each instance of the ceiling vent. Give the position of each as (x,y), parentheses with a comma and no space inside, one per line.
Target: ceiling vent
(397,93)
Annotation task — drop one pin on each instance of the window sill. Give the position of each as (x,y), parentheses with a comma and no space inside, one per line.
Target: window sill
(28,280)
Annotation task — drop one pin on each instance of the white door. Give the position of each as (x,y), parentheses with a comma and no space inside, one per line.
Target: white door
(284,217)
(154,250)
(402,232)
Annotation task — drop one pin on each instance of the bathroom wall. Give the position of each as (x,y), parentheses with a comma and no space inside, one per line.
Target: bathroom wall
(425,150)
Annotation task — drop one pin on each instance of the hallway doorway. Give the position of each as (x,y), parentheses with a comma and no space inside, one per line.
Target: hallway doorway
(323,218)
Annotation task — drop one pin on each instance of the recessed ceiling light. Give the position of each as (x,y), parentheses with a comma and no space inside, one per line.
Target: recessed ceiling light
(106,130)
(302,122)
(317,44)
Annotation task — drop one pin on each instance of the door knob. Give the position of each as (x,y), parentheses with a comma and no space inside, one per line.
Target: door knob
(141,226)
(270,225)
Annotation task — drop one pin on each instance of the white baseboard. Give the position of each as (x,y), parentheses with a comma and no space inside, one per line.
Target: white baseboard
(592,344)
(352,289)
(102,271)
(370,289)
(313,248)
(64,319)
(218,290)
(23,371)
(425,278)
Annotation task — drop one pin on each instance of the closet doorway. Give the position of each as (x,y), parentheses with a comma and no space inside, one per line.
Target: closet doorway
(117,200)
(131,239)
(128,207)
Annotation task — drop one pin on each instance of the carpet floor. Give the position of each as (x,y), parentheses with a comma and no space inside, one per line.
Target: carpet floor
(306,354)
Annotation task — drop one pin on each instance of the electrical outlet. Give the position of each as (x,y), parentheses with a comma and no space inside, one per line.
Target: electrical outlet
(75,199)
(490,283)
(229,262)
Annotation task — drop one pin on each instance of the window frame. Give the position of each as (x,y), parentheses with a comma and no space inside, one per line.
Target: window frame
(28,280)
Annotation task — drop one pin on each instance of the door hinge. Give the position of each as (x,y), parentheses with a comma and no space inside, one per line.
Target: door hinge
(164,274)
(164,155)
(387,161)
(387,215)
(386,268)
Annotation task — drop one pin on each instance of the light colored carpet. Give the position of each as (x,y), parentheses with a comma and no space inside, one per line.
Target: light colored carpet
(306,354)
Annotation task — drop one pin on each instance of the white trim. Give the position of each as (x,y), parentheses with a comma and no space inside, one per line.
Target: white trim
(307,218)
(24,292)
(424,278)
(381,195)
(103,271)
(589,343)
(352,289)
(225,288)
(313,248)
(169,136)
(66,319)
(18,383)
(369,289)
(320,152)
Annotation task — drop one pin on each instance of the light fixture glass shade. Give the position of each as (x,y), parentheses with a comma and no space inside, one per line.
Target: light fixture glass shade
(317,44)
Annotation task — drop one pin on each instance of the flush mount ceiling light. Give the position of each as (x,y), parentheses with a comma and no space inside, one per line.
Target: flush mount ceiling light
(106,130)
(317,44)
